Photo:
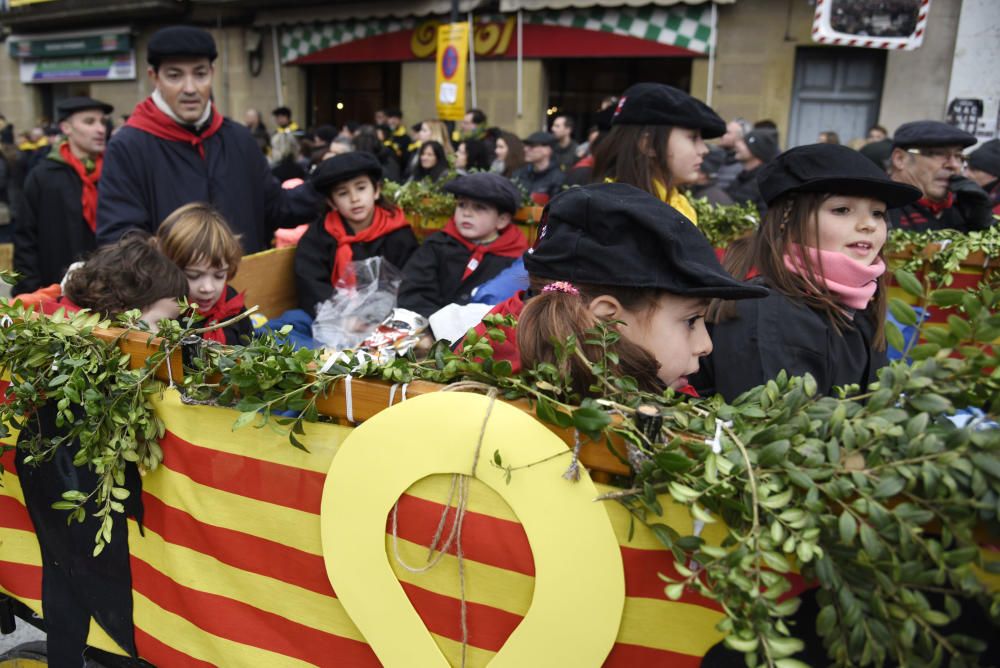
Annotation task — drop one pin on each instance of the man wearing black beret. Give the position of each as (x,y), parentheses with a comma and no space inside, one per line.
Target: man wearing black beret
(984,168)
(928,156)
(541,175)
(59,216)
(176,148)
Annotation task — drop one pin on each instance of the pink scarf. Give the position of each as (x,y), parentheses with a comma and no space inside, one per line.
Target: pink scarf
(853,283)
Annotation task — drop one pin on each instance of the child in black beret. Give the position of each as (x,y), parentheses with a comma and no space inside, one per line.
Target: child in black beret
(359,224)
(477,244)
(656,143)
(611,252)
(819,250)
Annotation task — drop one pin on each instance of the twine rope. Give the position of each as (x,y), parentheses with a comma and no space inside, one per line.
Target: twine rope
(460,483)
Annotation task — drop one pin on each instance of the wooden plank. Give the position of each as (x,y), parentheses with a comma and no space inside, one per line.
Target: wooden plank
(369,397)
(268,278)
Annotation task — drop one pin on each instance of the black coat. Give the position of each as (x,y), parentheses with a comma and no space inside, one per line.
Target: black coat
(50,232)
(145,178)
(549,181)
(776,333)
(432,278)
(745,189)
(971,210)
(315,253)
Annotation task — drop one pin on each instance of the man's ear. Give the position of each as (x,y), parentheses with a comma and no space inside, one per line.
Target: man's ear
(605,307)
(898,158)
(503,220)
(152,75)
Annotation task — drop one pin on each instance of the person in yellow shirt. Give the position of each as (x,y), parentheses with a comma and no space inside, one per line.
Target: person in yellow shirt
(283,121)
(657,143)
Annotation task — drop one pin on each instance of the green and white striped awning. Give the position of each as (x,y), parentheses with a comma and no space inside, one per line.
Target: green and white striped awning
(679,25)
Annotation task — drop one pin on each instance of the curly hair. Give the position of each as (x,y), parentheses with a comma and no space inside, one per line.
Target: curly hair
(129,274)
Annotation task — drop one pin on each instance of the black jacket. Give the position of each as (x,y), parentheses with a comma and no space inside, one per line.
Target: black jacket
(314,259)
(970,211)
(776,333)
(432,278)
(145,178)
(549,181)
(745,189)
(50,232)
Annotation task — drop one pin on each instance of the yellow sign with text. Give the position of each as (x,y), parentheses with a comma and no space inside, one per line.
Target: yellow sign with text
(449,81)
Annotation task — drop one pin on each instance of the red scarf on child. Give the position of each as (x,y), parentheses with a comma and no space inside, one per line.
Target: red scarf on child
(221,311)
(510,243)
(148,118)
(88,199)
(383,222)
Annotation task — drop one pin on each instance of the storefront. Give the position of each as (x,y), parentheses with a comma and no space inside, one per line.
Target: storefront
(527,65)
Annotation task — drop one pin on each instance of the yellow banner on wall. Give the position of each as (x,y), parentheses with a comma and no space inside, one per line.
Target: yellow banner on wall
(449,81)
(19,3)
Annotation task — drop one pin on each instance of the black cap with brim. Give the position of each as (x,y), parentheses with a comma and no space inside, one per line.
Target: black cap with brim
(931,133)
(833,169)
(343,167)
(72,105)
(615,234)
(180,42)
(493,189)
(540,138)
(986,158)
(660,104)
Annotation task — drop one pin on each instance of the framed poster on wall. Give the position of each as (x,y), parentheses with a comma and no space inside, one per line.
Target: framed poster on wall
(871,24)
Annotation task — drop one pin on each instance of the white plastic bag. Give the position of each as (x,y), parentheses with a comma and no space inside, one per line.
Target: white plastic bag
(357,307)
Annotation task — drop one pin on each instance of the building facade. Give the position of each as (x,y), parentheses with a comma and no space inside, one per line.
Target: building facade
(333,62)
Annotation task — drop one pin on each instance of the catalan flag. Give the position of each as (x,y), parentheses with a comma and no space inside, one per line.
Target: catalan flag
(230,569)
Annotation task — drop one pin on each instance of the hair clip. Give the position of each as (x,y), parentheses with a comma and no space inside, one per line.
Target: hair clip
(561,286)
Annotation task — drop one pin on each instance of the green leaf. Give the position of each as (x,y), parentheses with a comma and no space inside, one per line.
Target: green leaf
(244,419)
(590,420)
(909,282)
(848,527)
(902,312)
(888,486)
(893,336)
(946,297)
(774,453)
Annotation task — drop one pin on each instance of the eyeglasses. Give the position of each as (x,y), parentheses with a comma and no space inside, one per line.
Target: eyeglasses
(939,154)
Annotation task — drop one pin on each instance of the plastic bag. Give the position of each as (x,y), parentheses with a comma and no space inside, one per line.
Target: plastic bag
(357,307)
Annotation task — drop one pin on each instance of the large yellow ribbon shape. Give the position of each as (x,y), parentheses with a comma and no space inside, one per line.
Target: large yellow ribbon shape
(579,588)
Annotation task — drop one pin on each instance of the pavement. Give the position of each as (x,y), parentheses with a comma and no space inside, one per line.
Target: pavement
(23,633)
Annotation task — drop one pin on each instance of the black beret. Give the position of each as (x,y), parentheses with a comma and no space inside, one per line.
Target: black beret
(540,138)
(180,41)
(986,158)
(282,111)
(879,152)
(660,104)
(345,166)
(615,234)
(834,169)
(603,118)
(71,105)
(763,144)
(931,133)
(487,187)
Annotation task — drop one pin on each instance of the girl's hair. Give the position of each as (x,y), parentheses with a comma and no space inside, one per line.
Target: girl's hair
(553,316)
(794,219)
(197,232)
(438,169)
(515,153)
(634,154)
(439,133)
(131,273)
(477,155)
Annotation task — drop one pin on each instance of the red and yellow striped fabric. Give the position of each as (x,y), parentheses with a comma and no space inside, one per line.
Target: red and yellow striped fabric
(230,570)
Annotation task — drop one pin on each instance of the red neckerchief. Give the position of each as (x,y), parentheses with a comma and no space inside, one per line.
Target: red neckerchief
(88,200)
(50,306)
(383,222)
(148,118)
(937,207)
(221,311)
(585,161)
(510,243)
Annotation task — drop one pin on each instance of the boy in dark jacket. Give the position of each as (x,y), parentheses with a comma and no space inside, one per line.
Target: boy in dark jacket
(360,224)
(477,244)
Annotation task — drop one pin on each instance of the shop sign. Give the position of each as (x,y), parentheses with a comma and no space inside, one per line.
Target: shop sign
(488,40)
(58,47)
(112,67)
(871,24)
(452,57)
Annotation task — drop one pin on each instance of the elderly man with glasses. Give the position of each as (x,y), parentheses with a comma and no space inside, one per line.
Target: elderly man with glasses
(928,155)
